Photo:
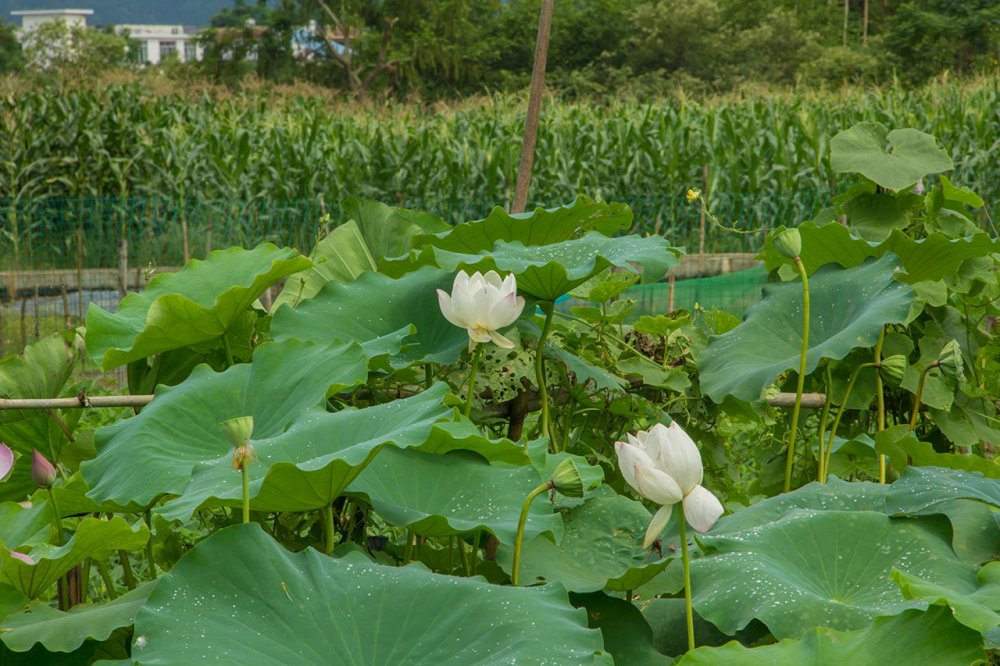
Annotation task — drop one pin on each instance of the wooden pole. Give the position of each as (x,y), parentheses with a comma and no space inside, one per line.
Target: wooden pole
(534,107)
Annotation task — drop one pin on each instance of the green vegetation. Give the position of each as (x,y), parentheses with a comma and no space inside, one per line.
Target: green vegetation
(255,168)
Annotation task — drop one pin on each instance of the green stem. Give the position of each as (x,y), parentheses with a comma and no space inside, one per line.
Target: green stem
(408,551)
(56,517)
(519,535)
(686,562)
(130,581)
(228,350)
(840,413)
(428,376)
(151,563)
(543,395)
(464,557)
(109,585)
(880,399)
(473,371)
(329,535)
(828,381)
(800,385)
(85,579)
(244,472)
(919,395)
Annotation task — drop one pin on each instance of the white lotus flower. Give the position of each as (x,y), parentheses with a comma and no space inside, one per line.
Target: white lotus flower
(482,304)
(663,465)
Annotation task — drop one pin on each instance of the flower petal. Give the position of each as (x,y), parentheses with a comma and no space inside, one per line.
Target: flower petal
(629,457)
(501,341)
(463,306)
(657,486)
(676,454)
(702,508)
(505,311)
(6,460)
(444,301)
(656,525)
(492,278)
(479,334)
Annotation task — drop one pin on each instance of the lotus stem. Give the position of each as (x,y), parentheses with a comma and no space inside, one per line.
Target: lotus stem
(828,400)
(326,514)
(519,536)
(880,399)
(464,557)
(109,585)
(151,563)
(244,472)
(127,574)
(840,413)
(56,517)
(473,371)
(228,351)
(543,395)
(919,394)
(800,385)
(686,563)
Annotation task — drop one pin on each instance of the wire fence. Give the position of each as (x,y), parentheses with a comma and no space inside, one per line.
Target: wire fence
(59,255)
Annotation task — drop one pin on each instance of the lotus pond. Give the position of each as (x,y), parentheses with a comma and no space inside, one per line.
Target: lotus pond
(417,454)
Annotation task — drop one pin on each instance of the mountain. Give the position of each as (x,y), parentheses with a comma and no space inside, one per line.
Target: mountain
(183,12)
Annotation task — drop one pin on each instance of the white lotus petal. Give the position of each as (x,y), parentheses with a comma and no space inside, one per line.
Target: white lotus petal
(629,457)
(702,508)
(444,301)
(505,311)
(479,334)
(657,486)
(492,278)
(501,341)
(677,455)
(656,525)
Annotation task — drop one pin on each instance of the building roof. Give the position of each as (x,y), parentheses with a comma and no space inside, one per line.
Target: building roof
(52,12)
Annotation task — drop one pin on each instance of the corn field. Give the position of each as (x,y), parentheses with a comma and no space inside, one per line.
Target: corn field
(125,163)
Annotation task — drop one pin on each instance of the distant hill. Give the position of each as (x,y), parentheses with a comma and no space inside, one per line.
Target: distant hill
(184,12)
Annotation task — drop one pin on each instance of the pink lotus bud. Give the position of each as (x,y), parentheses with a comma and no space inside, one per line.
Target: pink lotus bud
(42,471)
(6,460)
(21,556)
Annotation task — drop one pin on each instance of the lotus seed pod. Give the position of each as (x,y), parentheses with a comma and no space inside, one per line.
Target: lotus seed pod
(567,480)
(950,361)
(893,367)
(788,243)
(238,430)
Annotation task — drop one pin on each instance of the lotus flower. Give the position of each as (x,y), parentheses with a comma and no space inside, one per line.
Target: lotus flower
(6,461)
(42,471)
(663,465)
(482,304)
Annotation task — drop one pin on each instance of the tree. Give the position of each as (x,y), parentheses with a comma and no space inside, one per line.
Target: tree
(73,50)
(11,54)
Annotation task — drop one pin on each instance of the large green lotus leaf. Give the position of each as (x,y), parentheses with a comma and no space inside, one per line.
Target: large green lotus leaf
(921,488)
(835,495)
(627,635)
(196,304)
(93,538)
(41,371)
(465,436)
(875,215)
(930,258)
(156,451)
(538,227)
(547,272)
(240,598)
(975,527)
(818,568)
(904,449)
(976,605)
(848,308)
(25,525)
(601,547)
(894,160)
(62,631)
(667,618)
(311,464)
(389,231)
(441,495)
(379,313)
(934,635)
(341,256)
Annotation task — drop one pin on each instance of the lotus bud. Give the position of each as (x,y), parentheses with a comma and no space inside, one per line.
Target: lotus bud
(567,480)
(788,243)
(893,367)
(950,361)
(42,471)
(6,461)
(238,430)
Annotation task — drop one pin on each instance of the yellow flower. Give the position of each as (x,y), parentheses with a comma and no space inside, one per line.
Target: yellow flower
(693,195)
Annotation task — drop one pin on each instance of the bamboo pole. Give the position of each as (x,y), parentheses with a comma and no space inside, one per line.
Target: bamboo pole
(534,107)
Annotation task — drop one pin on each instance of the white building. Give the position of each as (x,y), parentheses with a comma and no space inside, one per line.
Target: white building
(158,42)
(32,18)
